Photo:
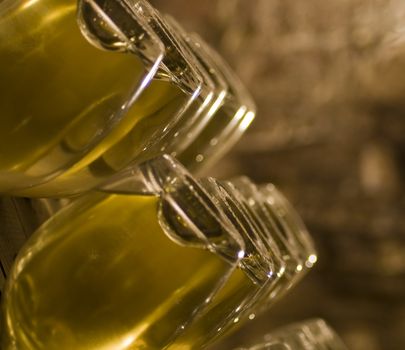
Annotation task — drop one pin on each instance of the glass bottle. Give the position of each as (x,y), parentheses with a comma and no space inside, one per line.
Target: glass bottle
(121,270)
(155,259)
(139,90)
(159,92)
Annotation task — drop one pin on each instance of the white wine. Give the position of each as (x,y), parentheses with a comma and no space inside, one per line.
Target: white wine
(103,275)
(54,82)
(172,270)
(126,144)
(66,119)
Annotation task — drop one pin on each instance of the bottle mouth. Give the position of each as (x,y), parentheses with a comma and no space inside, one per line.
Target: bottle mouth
(229,96)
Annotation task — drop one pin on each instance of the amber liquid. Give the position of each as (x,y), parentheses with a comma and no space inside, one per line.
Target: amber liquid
(130,142)
(60,97)
(103,275)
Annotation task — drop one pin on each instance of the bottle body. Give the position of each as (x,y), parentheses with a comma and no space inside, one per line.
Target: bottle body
(59,97)
(174,266)
(110,278)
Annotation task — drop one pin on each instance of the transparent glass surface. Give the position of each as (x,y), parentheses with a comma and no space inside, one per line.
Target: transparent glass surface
(327,79)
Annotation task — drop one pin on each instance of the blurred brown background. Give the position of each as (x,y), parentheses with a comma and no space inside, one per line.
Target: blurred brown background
(329,81)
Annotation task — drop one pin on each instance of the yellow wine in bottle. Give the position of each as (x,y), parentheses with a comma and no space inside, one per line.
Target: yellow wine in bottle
(143,125)
(53,81)
(104,275)
(64,102)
